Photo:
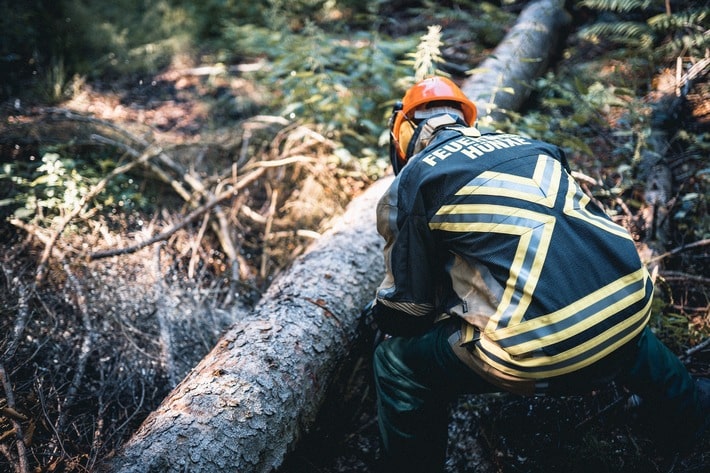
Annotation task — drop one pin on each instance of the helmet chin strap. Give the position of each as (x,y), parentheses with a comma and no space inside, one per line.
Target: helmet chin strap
(426,130)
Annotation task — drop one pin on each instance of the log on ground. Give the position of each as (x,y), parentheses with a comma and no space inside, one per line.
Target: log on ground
(657,162)
(247,402)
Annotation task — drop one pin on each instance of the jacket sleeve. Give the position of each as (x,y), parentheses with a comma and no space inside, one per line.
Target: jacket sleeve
(405,298)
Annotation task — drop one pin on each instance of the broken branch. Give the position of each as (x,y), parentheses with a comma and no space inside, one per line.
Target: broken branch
(674,251)
(16,426)
(41,268)
(192,216)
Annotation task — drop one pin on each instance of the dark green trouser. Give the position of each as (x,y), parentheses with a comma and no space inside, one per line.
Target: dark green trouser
(417,377)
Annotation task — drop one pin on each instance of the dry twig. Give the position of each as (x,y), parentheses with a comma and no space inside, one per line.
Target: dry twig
(680,276)
(162,175)
(22,464)
(699,347)
(192,216)
(680,249)
(23,312)
(166,346)
(267,231)
(42,266)
(195,247)
(86,347)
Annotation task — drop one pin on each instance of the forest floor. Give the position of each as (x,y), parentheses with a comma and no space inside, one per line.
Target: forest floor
(502,433)
(492,433)
(601,431)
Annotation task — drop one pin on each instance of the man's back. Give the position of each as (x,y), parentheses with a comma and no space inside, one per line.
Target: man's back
(568,281)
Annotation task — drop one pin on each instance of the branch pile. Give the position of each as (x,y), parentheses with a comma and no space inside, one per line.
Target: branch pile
(121,305)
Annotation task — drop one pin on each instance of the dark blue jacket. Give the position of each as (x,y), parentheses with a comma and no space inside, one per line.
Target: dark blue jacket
(493,229)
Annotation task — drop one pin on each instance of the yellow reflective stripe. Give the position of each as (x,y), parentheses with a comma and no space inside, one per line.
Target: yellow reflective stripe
(516,269)
(547,170)
(478,227)
(611,332)
(510,365)
(483,209)
(583,325)
(526,224)
(579,306)
(553,178)
(468,333)
(533,272)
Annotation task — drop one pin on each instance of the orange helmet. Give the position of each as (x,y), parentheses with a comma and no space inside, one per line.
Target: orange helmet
(433,89)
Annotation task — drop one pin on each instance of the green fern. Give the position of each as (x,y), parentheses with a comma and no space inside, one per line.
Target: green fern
(686,31)
(340,83)
(617,5)
(694,20)
(628,33)
(662,36)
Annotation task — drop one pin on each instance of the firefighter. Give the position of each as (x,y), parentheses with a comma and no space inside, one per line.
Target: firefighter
(502,275)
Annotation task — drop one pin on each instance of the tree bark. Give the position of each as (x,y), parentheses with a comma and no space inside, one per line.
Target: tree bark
(244,406)
(502,81)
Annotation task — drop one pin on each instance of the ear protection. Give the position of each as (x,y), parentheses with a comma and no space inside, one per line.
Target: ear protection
(394,148)
(414,138)
(406,131)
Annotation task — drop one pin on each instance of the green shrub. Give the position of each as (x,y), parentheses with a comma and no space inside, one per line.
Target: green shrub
(44,43)
(343,84)
(46,190)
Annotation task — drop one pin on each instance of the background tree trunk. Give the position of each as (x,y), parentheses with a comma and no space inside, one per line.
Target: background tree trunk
(656,160)
(248,401)
(502,81)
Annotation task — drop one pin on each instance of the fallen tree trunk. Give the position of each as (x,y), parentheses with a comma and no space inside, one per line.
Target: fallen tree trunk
(247,402)
(502,81)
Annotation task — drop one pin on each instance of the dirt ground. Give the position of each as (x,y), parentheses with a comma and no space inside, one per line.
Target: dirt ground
(603,431)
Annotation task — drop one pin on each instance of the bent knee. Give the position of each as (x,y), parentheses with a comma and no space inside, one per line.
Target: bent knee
(389,360)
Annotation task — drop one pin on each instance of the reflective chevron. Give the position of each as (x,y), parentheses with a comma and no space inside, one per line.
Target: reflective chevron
(540,189)
(509,342)
(534,231)
(575,206)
